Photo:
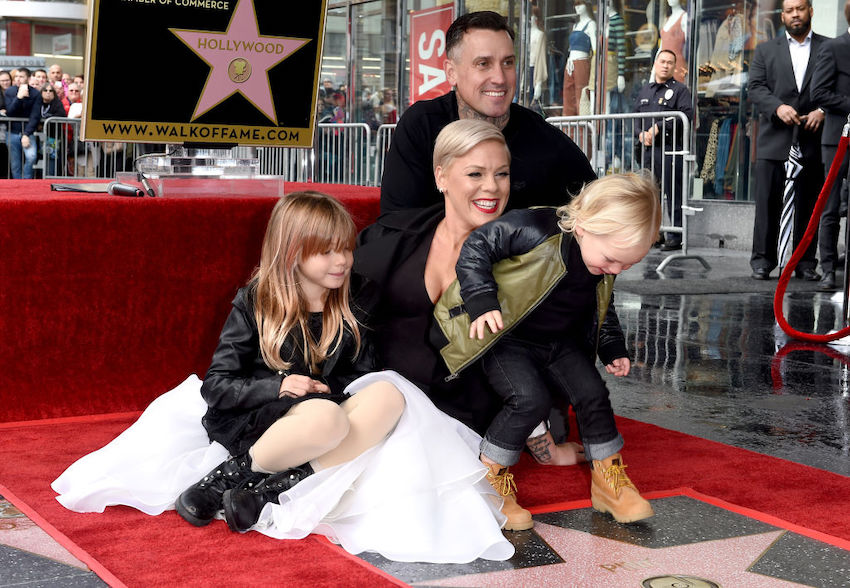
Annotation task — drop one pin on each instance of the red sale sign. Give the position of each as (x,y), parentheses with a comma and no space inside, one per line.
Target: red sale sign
(428,51)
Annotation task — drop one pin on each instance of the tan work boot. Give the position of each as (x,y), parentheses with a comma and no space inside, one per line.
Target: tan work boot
(502,481)
(612,491)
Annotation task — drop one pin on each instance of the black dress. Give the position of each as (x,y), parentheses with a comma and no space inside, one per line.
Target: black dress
(404,319)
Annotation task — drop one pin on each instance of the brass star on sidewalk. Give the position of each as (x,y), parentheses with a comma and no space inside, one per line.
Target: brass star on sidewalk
(595,561)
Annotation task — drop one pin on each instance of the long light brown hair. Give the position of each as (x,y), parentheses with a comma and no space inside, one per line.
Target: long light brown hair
(302,224)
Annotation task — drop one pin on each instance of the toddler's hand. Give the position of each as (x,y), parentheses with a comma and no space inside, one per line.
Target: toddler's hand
(619,367)
(492,319)
(295,386)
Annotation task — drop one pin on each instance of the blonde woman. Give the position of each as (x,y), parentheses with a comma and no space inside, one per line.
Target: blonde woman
(411,255)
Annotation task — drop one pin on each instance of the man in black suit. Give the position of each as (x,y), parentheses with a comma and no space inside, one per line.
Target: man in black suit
(779,86)
(831,90)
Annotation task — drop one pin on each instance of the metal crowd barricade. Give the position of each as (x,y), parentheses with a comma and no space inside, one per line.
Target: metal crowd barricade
(65,155)
(341,155)
(68,155)
(293,164)
(581,131)
(383,138)
(672,163)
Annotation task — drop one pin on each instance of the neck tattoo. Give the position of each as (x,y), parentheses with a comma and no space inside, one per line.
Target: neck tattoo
(465,111)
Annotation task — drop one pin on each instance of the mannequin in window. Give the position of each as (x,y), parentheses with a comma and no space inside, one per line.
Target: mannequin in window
(615,82)
(673,34)
(727,60)
(537,55)
(615,34)
(579,66)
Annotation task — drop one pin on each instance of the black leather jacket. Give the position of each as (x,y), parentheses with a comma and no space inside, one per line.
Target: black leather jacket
(520,257)
(240,388)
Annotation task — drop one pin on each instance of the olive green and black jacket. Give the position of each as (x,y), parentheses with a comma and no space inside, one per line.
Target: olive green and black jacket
(511,264)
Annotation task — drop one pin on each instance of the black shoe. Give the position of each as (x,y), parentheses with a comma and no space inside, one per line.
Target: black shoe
(242,506)
(671,245)
(827,282)
(808,275)
(199,503)
(761,273)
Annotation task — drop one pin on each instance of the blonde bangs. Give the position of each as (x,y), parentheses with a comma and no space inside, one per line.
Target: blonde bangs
(330,229)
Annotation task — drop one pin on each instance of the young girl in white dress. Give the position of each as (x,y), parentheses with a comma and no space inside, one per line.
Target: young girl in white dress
(308,438)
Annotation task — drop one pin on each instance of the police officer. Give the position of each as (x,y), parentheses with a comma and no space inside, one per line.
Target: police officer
(657,136)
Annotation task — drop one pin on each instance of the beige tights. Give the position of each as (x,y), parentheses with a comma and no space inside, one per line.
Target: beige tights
(327,434)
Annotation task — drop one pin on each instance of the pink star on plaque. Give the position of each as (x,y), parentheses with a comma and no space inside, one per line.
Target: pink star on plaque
(595,561)
(239,59)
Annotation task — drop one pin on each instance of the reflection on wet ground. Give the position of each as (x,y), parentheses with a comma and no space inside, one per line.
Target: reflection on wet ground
(717,366)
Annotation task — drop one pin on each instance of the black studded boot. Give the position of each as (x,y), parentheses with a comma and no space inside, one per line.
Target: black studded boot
(199,503)
(242,506)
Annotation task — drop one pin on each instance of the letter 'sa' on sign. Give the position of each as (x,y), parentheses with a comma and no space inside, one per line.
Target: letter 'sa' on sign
(428,51)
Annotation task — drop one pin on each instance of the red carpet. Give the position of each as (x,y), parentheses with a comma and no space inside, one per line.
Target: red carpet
(143,550)
(106,302)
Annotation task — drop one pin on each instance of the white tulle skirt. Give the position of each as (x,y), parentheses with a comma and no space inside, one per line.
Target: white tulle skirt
(419,495)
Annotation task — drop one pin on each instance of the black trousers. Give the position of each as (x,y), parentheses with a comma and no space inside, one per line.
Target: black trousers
(670,179)
(524,374)
(830,220)
(770,185)
(668,171)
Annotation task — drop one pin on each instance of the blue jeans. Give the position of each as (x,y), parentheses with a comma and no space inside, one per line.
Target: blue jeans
(18,156)
(526,375)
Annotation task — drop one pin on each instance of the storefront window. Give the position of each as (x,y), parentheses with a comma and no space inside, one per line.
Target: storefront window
(582,58)
(331,104)
(726,35)
(360,64)
(374,88)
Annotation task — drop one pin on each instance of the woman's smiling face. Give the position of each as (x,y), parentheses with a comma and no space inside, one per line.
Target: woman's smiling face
(477,184)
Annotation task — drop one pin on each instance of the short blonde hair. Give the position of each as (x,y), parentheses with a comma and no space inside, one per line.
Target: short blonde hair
(459,137)
(628,205)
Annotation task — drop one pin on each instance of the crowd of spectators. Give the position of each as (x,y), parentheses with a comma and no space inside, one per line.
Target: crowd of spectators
(41,94)
(35,96)
(376,107)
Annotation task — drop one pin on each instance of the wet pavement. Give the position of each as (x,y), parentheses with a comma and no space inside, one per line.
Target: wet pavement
(717,366)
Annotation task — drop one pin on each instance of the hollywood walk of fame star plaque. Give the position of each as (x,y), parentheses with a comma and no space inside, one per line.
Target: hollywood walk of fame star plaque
(210,72)
(691,542)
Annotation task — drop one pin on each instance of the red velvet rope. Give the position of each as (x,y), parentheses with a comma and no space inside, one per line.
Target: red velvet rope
(798,254)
